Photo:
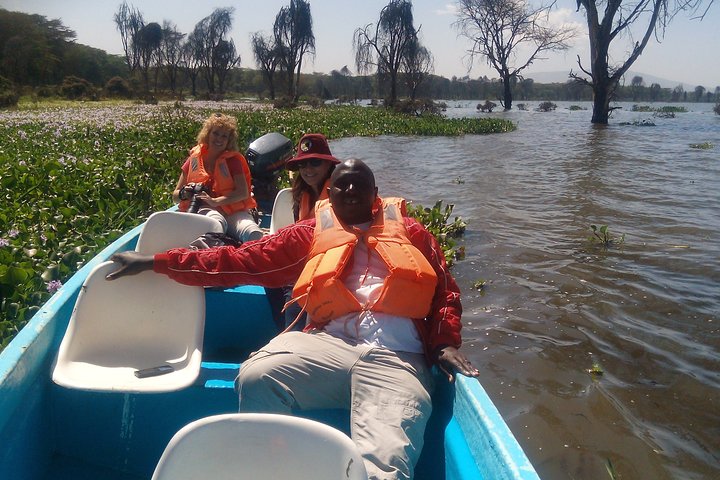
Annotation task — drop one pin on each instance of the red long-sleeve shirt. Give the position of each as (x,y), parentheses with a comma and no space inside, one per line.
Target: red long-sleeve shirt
(277,260)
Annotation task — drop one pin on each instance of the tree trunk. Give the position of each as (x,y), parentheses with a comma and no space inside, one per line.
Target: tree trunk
(290,74)
(271,86)
(393,88)
(602,84)
(601,102)
(296,89)
(507,93)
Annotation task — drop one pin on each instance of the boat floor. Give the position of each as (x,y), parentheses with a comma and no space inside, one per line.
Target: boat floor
(66,468)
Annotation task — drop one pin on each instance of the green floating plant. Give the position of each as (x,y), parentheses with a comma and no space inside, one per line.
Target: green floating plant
(596,370)
(702,146)
(601,235)
(435,219)
(611,470)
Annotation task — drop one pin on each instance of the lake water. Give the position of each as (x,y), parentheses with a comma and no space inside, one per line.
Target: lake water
(646,311)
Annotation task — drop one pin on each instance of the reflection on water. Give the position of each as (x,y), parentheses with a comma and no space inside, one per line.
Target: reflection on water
(646,311)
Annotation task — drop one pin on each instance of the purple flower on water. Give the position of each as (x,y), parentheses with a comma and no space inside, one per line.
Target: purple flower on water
(54,285)
(13,232)
(4,242)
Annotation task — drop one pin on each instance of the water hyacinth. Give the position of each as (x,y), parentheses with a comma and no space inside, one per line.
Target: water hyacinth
(79,176)
(54,285)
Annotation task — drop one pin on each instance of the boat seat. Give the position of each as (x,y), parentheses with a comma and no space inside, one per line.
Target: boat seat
(132,323)
(282,212)
(259,445)
(169,229)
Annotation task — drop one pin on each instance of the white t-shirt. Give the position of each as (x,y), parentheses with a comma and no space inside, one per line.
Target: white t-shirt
(364,278)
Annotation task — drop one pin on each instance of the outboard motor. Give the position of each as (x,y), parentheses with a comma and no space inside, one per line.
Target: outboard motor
(266,158)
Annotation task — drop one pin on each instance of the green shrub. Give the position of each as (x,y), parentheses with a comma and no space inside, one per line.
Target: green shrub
(419,107)
(75,88)
(546,107)
(8,95)
(284,103)
(487,106)
(118,87)
(314,102)
(673,109)
(46,91)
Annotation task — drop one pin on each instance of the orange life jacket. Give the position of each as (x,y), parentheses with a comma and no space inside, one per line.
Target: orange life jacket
(306,209)
(408,289)
(222,180)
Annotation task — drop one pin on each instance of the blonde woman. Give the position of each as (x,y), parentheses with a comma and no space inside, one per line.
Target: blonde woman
(216,176)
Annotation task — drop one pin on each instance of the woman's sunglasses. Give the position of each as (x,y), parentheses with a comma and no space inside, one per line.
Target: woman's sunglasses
(313,162)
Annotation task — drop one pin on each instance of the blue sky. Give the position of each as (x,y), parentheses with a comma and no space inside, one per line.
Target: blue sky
(688,53)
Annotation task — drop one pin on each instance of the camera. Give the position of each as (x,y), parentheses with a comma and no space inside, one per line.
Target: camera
(192,189)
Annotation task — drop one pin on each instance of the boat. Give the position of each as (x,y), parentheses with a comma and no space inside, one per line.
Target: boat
(54,429)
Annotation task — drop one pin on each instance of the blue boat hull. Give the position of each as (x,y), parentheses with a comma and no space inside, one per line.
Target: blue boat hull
(52,432)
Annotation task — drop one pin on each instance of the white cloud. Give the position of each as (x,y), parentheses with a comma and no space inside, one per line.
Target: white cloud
(449,9)
(568,18)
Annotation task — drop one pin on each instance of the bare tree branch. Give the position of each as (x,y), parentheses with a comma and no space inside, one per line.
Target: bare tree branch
(497,30)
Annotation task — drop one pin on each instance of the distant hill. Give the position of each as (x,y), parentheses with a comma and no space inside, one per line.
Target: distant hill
(562,77)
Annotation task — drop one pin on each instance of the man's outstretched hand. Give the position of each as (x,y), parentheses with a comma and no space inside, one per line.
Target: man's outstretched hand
(450,360)
(131,263)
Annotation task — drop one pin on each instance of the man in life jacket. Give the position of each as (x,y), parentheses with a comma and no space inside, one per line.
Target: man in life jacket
(382,308)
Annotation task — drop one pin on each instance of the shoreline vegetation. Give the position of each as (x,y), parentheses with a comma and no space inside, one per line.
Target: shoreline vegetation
(75,175)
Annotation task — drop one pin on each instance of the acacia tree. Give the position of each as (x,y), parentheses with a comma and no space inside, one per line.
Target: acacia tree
(267,58)
(636,85)
(171,53)
(294,38)
(417,65)
(497,30)
(190,60)
(129,21)
(655,91)
(224,58)
(385,46)
(212,52)
(619,16)
(147,40)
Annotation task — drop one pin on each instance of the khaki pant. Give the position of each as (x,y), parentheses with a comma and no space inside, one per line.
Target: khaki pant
(387,393)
